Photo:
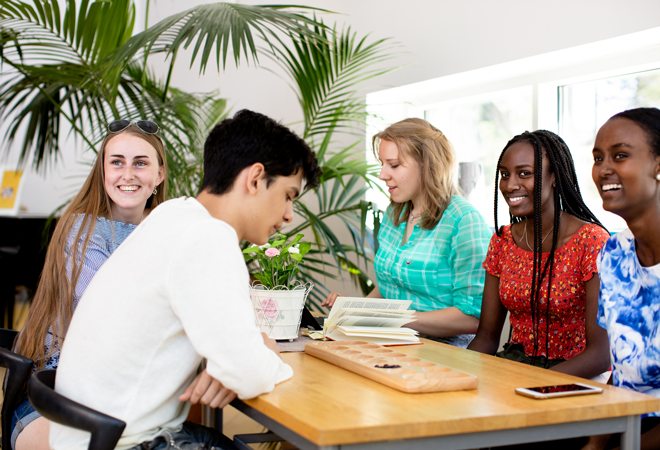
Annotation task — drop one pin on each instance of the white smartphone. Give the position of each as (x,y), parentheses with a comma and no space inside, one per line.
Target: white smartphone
(561,390)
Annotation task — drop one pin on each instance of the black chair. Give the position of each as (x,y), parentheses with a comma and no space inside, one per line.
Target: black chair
(7,338)
(18,372)
(55,407)
(9,268)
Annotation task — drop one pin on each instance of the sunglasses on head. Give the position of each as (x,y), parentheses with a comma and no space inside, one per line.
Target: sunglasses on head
(144,125)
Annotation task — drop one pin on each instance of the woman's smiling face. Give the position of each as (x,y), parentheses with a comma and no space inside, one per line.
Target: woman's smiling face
(625,168)
(517,180)
(132,171)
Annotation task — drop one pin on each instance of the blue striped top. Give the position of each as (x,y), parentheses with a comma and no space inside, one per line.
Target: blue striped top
(106,237)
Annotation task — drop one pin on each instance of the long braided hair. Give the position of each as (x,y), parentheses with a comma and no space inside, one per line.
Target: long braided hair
(567,197)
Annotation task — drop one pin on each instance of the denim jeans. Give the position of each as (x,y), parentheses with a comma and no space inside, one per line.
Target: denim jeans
(191,437)
(21,418)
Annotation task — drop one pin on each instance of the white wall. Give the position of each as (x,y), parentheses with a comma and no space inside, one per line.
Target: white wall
(436,37)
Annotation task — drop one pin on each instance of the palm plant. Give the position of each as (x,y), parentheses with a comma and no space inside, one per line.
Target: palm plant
(82,67)
(325,75)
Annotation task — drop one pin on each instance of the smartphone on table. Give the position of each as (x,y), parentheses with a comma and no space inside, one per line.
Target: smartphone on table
(560,390)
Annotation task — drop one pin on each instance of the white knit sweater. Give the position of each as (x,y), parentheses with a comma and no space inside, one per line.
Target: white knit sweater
(174,292)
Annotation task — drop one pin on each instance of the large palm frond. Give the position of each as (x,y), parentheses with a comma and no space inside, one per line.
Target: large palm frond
(213,30)
(84,34)
(72,67)
(326,75)
(45,56)
(185,120)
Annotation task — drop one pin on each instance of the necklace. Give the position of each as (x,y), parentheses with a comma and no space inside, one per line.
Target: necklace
(413,216)
(546,236)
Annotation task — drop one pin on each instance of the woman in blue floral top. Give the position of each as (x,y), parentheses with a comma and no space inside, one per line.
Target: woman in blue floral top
(129,174)
(627,174)
(431,242)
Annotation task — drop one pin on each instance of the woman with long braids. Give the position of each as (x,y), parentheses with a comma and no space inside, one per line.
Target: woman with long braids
(542,267)
(626,171)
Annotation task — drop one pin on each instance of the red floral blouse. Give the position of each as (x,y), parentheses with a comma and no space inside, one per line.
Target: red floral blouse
(575,263)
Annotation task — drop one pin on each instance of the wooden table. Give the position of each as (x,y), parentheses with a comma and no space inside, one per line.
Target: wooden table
(326,407)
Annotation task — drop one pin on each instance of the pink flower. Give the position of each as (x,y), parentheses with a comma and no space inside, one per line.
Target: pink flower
(269,307)
(272,252)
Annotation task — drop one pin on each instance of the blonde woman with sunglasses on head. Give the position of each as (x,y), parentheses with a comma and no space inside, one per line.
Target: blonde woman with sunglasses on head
(129,175)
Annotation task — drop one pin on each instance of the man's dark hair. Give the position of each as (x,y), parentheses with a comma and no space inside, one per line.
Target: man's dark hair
(249,138)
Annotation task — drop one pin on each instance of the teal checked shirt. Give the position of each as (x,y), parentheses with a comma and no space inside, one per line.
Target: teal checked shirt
(436,268)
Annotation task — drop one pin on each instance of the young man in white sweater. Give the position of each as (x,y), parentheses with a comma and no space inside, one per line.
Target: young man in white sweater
(176,292)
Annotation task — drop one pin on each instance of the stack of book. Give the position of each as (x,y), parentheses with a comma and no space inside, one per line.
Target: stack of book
(374,320)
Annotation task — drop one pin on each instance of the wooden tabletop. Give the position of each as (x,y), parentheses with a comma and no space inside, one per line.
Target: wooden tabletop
(331,406)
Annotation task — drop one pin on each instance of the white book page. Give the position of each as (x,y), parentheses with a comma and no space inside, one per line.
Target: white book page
(380,313)
(393,331)
(368,303)
(337,335)
(358,321)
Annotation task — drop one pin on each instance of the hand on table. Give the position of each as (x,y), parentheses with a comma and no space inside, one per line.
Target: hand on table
(331,299)
(207,390)
(271,344)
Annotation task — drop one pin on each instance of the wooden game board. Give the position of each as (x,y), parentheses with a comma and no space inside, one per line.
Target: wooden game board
(415,375)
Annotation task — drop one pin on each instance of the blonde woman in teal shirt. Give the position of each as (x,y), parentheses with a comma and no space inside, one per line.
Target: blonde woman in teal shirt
(431,242)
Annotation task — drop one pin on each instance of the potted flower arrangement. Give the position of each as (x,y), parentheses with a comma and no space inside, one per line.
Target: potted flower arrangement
(277,297)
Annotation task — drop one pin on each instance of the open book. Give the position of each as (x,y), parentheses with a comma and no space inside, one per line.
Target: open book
(374,320)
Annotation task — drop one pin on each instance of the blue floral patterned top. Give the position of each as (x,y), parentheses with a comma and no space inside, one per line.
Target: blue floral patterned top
(105,239)
(629,309)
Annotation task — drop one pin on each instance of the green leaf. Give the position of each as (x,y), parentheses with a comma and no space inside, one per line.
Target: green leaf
(261,278)
(85,70)
(225,25)
(304,248)
(325,75)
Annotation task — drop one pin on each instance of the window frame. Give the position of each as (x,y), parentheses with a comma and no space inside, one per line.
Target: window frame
(545,73)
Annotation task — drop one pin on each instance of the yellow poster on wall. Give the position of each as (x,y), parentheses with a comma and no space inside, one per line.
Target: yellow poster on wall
(9,188)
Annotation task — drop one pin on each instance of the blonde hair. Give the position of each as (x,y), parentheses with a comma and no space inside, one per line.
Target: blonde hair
(434,154)
(52,306)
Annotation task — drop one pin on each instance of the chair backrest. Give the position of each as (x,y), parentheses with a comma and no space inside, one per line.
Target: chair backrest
(7,338)
(19,369)
(55,407)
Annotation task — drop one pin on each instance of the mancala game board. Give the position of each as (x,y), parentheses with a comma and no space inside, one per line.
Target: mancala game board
(392,368)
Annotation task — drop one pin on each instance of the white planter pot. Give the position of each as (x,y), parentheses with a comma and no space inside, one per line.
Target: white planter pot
(278,312)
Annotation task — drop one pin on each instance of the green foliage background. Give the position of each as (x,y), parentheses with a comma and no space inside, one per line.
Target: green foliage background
(81,65)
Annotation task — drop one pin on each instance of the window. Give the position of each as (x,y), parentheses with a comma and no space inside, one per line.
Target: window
(571,92)
(479,128)
(585,107)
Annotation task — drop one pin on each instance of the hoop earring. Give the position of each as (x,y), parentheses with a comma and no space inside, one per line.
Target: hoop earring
(155,191)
